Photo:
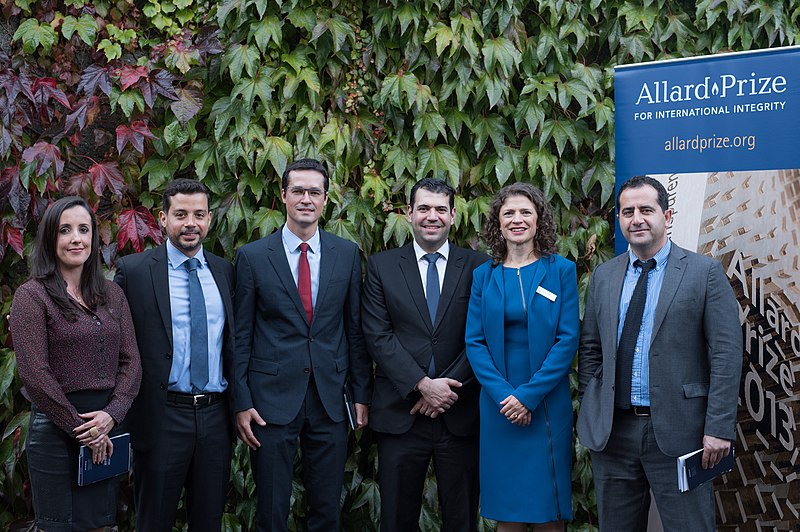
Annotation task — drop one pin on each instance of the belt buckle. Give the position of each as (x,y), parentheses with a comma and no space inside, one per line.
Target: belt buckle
(640,413)
(196,397)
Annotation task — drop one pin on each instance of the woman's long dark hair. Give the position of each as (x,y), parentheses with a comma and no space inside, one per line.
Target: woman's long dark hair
(44,264)
(544,243)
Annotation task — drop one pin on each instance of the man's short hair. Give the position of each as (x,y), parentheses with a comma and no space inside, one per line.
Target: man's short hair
(183,186)
(437,186)
(643,180)
(305,164)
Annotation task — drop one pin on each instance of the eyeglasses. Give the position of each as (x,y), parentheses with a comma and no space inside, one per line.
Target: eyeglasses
(299,192)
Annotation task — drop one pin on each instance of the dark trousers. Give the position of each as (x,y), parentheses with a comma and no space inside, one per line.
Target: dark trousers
(193,451)
(323,446)
(403,464)
(629,467)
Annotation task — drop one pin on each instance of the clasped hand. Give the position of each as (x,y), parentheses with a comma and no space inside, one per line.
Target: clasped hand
(97,426)
(437,396)
(515,412)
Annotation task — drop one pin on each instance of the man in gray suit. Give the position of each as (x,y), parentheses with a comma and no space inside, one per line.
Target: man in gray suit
(659,365)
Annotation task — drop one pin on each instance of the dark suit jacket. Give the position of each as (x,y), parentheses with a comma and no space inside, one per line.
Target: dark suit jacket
(695,354)
(144,279)
(399,336)
(275,346)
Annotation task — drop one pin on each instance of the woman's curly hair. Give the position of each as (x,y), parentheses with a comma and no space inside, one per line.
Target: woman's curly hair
(544,243)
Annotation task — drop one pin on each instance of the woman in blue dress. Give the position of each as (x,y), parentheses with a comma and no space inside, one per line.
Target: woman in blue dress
(522,334)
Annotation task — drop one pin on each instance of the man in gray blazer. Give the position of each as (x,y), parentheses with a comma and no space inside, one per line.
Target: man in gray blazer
(659,366)
(298,339)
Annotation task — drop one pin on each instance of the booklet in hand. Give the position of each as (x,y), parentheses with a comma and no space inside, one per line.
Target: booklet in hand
(691,473)
(117,464)
(350,407)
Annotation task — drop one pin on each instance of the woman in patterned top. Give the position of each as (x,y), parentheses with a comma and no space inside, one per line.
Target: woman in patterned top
(77,357)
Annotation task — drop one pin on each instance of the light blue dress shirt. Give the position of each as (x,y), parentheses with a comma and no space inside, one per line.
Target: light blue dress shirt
(640,376)
(291,245)
(179,375)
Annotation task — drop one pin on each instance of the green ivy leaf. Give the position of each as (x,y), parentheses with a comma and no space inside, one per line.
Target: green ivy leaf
(110,50)
(397,228)
(203,154)
(85,26)
(444,38)
(266,29)
(375,186)
(440,160)
(501,51)
(33,35)
(260,85)
(277,151)
(429,125)
(175,135)
(267,221)
(240,57)
(160,172)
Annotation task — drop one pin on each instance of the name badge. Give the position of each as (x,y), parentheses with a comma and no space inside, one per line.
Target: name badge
(546,293)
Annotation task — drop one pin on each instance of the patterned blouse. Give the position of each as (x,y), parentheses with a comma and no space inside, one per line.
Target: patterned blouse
(55,356)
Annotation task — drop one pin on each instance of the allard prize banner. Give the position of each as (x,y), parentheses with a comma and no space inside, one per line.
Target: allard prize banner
(722,133)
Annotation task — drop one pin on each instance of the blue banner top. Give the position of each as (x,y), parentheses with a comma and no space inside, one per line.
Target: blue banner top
(717,113)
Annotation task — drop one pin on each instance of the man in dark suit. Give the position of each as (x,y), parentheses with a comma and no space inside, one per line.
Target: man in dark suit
(659,365)
(425,402)
(298,339)
(180,298)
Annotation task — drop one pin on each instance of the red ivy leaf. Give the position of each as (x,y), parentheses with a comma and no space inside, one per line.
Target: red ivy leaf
(14,84)
(130,76)
(11,236)
(107,175)
(44,89)
(207,41)
(158,82)
(45,155)
(135,134)
(85,110)
(95,77)
(135,225)
(79,185)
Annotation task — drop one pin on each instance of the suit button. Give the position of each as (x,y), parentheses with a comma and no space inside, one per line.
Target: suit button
(435,341)
(162,386)
(168,355)
(305,370)
(310,338)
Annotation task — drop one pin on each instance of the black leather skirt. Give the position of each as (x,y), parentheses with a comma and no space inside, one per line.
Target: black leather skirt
(59,503)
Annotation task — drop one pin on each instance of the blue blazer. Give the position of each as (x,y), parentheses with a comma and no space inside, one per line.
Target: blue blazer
(552,330)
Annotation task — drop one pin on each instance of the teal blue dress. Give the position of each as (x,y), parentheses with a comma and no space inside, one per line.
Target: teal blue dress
(525,472)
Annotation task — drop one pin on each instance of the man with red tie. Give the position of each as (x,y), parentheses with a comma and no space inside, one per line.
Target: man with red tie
(298,339)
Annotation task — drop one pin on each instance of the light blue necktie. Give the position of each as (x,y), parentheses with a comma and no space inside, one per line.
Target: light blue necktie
(432,296)
(198,365)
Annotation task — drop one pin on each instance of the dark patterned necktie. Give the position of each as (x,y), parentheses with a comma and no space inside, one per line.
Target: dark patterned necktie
(198,339)
(630,334)
(432,297)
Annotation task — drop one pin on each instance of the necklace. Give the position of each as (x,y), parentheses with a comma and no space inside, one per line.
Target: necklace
(75,296)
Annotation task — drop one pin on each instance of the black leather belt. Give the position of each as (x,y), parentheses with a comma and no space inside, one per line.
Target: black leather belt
(192,399)
(638,411)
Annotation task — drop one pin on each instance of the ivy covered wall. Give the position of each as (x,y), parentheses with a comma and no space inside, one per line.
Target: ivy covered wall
(110,100)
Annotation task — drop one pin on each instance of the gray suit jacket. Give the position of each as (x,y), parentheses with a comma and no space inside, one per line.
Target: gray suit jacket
(695,354)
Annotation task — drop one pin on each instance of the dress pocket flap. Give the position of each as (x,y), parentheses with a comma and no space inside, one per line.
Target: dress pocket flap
(698,389)
(342,363)
(263,366)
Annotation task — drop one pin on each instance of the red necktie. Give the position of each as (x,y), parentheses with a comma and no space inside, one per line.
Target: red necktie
(304,281)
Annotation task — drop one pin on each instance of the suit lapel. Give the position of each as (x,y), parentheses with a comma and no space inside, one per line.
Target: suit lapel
(277,258)
(495,329)
(326,265)
(410,270)
(614,294)
(222,285)
(676,267)
(452,276)
(159,275)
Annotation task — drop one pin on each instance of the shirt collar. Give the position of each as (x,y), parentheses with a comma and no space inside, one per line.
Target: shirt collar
(291,241)
(444,250)
(176,257)
(661,257)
